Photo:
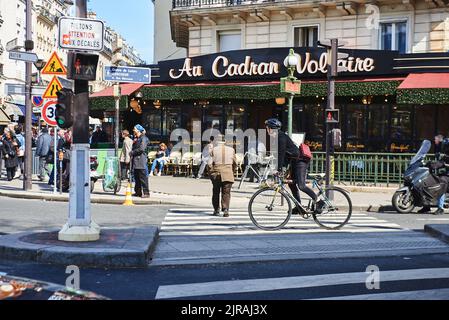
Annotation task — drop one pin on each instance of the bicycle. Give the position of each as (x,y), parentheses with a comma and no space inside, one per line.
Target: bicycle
(270,208)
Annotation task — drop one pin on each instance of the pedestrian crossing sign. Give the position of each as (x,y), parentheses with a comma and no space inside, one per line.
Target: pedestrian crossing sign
(53,88)
(54,66)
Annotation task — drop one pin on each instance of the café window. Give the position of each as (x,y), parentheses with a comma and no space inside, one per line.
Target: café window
(306,36)
(229,40)
(377,127)
(355,127)
(393,36)
(424,122)
(401,129)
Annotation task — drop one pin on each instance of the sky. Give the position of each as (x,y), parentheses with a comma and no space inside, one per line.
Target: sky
(133,19)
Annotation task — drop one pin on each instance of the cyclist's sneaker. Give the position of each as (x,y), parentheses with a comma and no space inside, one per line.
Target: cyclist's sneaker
(295,211)
(318,207)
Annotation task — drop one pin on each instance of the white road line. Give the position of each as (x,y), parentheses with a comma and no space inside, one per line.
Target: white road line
(434,294)
(271,284)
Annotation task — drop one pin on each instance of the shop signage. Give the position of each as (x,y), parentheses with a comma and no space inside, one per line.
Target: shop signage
(290,86)
(267,64)
(81,34)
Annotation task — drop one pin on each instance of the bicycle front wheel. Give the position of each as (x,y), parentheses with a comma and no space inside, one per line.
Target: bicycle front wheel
(270,209)
(333,212)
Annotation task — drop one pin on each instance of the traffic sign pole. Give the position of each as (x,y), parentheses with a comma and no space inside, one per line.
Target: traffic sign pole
(28,172)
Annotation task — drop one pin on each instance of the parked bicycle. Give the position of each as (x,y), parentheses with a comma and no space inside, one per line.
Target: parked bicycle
(271,208)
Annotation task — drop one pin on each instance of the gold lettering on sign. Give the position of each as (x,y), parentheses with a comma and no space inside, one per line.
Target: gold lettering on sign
(187,69)
(247,68)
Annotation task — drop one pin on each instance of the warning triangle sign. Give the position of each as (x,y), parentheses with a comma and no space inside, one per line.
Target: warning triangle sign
(53,88)
(54,66)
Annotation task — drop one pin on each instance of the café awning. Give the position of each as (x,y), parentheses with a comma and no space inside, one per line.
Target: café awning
(426,81)
(4,119)
(126,90)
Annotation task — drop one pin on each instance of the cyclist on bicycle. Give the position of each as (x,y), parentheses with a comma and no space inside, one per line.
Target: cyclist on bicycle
(289,153)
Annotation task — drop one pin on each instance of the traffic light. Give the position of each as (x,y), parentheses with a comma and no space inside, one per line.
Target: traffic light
(82,66)
(64,108)
(332,116)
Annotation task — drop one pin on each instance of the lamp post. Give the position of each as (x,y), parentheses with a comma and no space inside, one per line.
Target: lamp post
(291,85)
(117,96)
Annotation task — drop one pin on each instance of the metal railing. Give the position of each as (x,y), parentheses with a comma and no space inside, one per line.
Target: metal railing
(194,4)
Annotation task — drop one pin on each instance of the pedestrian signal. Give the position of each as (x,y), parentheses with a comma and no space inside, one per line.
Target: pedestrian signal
(82,66)
(332,116)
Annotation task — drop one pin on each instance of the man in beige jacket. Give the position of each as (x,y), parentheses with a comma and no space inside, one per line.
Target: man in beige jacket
(125,158)
(221,167)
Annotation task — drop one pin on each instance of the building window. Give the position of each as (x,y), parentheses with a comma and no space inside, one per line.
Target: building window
(393,36)
(229,40)
(306,36)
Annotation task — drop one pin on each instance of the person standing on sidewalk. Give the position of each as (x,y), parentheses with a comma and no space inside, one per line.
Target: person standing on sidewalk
(10,151)
(222,165)
(125,157)
(140,162)
(21,153)
(205,157)
(42,149)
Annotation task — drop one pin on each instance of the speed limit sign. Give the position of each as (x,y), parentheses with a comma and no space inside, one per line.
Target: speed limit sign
(49,113)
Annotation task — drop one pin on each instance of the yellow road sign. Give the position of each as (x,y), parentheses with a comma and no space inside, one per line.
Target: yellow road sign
(54,66)
(53,88)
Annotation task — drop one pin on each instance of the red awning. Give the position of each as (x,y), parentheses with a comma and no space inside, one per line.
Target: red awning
(426,81)
(127,89)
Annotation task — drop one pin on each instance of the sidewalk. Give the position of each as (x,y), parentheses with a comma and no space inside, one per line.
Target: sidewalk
(187,191)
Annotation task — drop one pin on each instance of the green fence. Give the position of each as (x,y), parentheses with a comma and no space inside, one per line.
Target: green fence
(364,168)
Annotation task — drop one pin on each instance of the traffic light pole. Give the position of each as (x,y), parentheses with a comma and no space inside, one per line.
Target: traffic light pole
(331,72)
(80,226)
(28,165)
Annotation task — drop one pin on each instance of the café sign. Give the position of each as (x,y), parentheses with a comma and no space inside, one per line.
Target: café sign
(267,64)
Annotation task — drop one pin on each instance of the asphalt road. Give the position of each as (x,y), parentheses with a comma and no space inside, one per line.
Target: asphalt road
(400,277)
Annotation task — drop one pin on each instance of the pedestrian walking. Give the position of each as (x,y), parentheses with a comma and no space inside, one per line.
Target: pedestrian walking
(59,147)
(222,165)
(205,157)
(10,153)
(21,153)
(140,162)
(43,144)
(125,155)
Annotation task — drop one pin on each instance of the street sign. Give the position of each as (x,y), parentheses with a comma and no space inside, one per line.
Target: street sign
(53,88)
(49,113)
(38,101)
(81,34)
(23,56)
(290,86)
(13,45)
(54,66)
(127,74)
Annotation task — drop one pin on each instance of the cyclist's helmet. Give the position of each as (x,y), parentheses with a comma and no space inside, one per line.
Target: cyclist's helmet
(445,146)
(273,124)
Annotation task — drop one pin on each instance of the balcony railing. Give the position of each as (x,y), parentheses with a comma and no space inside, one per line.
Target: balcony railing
(194,4)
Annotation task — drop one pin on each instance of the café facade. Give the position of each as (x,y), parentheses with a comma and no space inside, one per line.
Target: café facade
(388,102)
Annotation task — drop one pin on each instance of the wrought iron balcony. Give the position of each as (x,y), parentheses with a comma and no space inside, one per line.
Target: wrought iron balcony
(195,4)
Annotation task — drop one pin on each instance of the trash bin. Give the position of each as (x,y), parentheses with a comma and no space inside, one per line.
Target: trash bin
(111,180)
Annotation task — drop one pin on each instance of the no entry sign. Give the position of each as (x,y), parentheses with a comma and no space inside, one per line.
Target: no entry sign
(49,113)
(81,34)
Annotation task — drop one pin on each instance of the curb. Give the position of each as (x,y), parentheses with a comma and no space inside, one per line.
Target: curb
(136,252)
(439,231)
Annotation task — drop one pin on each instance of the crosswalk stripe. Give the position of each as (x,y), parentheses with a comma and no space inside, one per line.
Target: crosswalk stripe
(272,284)
(200,221)
(434,294)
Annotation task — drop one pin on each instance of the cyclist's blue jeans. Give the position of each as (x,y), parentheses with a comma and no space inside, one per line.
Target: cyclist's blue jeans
(441,201)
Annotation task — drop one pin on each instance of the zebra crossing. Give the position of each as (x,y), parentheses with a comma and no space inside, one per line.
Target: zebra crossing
(358,281)
(201,222)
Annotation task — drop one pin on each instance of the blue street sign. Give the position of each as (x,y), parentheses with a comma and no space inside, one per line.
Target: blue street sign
(127,74)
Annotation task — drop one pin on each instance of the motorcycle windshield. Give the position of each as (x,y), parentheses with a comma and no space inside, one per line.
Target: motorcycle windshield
(422,152)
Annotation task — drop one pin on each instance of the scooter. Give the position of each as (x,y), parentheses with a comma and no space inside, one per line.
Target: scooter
(420,185)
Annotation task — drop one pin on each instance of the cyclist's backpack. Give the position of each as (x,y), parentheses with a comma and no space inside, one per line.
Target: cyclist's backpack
(305,152)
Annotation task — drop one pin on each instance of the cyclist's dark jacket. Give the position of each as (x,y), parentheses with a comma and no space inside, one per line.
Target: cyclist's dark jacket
(287,150)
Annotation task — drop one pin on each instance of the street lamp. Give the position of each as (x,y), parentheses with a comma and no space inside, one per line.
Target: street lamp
(39,64)
(291,85)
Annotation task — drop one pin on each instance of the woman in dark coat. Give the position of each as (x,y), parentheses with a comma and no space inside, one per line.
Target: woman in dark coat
(10,152)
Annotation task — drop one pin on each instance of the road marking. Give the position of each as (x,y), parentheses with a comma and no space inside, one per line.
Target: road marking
(199,221)
(272,284)
(434,219)
(434,294)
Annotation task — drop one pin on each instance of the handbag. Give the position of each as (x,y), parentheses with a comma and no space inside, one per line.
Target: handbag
(305,152)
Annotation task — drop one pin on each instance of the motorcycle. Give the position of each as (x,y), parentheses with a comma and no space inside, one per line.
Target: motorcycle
(421,188)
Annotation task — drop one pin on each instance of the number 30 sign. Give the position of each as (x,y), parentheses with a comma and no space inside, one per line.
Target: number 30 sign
(49,113)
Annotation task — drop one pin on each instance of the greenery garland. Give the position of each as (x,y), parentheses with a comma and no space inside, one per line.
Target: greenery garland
(107,103)
(423,96)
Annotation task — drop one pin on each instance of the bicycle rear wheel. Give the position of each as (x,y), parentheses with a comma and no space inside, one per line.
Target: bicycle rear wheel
(334,213)
(270,209)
